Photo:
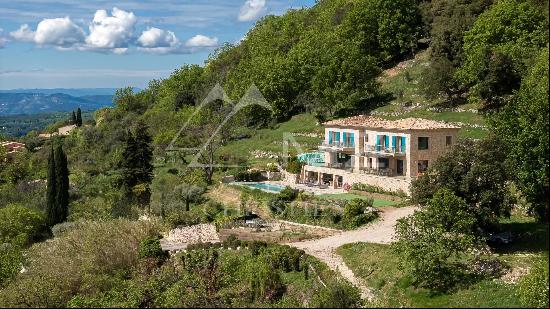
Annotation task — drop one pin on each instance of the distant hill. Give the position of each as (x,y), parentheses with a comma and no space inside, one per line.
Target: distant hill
(75,92)
(34,103)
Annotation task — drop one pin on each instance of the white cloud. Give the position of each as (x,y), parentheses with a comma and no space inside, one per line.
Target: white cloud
(60,32)
(155,37)
(24,33)
(200,40)
(252,9)
(111,32)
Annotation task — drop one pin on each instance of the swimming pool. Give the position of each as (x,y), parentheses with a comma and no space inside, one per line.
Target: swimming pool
(264,186)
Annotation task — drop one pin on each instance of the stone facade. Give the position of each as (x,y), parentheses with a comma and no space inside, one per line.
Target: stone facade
(394,184)
(383,153)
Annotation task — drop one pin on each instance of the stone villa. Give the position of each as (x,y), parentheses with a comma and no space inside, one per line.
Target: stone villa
(375,151)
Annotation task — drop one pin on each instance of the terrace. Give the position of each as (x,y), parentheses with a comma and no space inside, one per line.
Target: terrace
(381,150)
(336,146)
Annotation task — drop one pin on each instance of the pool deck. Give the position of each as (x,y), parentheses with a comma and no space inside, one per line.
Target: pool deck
(312,190)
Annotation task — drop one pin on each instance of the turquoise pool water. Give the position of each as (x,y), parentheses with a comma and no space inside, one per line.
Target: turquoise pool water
(265,186)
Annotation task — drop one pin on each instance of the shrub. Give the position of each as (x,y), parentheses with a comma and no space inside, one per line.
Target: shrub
(150,248)
(20,225)
(83,260)
(265,282)
(288,194)
(10,263)
(294,166)
(434,243)
(182,218)
(376,189)
(533,288)
(340,295)
(358,212)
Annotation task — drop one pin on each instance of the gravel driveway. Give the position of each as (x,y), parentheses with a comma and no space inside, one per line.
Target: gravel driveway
(381,231)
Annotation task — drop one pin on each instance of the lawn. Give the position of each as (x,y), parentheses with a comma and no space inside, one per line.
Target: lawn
(351,196)
(303,129)
(405,99)
(378,266)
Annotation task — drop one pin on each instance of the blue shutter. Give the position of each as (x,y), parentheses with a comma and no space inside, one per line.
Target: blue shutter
(352,139)
(344,138)
(337,136)
(330,137)
(403,143)
(387,143)
(393,142)
(377,142)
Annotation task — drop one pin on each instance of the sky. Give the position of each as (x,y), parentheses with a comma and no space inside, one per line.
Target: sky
(113,44)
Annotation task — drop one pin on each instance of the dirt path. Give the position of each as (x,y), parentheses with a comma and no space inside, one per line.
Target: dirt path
(381,232)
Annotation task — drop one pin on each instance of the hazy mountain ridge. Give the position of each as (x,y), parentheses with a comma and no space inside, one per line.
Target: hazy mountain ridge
(33,103)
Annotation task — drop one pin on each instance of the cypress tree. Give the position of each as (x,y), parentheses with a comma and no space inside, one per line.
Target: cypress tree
(136,165)
(78,117)
(62,183)
(57,195)
(73,118)
(51,202)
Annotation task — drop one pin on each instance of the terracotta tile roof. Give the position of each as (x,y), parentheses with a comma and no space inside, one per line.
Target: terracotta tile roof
(400,124)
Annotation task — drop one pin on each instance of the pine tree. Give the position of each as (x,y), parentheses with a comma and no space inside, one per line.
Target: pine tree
(78,117)
(73,118)
(51,202)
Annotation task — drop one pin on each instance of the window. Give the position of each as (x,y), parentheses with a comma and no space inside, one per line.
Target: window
(422,166)
(423,143)
(448,140)
(366,138)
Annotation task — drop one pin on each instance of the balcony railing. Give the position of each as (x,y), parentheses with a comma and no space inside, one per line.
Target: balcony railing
(379,149)
(337,146)
(376,171)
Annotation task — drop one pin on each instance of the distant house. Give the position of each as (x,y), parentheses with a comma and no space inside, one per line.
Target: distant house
(375,151)
(62,131)
(12,147)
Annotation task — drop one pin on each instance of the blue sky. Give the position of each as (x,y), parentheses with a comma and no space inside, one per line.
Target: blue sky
(96,43)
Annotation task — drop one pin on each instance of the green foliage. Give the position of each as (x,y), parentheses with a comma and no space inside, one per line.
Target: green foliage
(85,260)
(57,195)
(288,194)
(136,165)
(523,124)
(189,193)
(183,88)
(337,296)
(358,212)
(533,288)
(499,47)
(450,21)
(10,263)
(78,119)
(20,225)
(474,171)
(435,241)
(438,79)
(375,189)
(294,166)
(150,248)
